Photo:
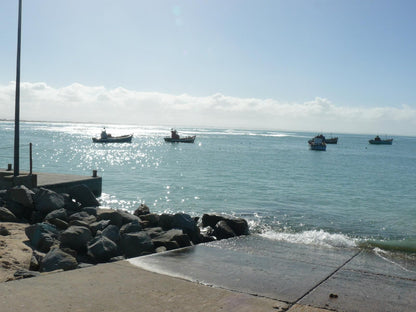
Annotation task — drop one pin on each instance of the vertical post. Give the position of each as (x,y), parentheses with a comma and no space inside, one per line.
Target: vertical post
(30,158)
(17,104)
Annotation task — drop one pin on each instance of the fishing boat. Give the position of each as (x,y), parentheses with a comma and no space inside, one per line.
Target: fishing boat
(175,138)
(317,143)
(332,140)
(108,138)
(379,141)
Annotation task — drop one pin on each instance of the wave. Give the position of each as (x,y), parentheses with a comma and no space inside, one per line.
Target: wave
(404,245)
(313,237)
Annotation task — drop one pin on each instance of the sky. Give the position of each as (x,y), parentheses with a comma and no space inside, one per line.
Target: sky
(338,66)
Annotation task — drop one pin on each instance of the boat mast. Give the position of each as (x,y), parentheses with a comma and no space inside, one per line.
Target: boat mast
(17,103)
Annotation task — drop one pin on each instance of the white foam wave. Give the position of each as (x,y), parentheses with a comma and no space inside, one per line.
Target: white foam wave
(317,238)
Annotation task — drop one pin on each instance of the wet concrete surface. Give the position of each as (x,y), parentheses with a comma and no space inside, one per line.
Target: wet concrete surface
(328,278)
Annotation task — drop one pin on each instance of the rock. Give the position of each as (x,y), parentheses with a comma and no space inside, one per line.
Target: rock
(151,219)
(135,244)
(90,210)
(70,204)
(211,220)
(98,226)
(154,231)
(47,201)
(131,227)
(82,216)
(112,232)
(114,216)
(207,238)
(57,214)
(165,221)
(222,230)
(22,273)
(4,231)
(172,239)
(21,195)
(18,210)
(102,249)
(79,223)
(238,225)
(76,237)
(186,223)
(142,210)
(7,216)
(82,194)
(60,224)
(127,217)
(56,259)
(34,263)
(42,235)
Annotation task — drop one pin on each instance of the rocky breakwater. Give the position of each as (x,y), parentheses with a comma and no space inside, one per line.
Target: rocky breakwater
(70,231)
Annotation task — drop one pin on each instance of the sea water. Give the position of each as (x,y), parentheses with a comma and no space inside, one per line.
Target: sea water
(352,194)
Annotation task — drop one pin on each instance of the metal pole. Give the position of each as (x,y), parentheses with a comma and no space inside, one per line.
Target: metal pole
(30,158)
(17,104)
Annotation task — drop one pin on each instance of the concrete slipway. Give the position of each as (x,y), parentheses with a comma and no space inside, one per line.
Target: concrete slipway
(244,274)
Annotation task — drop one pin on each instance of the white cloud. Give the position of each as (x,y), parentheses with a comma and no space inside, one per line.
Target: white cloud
(80,103)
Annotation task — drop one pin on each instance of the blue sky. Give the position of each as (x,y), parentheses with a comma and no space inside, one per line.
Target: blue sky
(314,65)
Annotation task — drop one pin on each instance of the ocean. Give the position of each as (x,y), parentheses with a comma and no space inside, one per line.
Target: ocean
(352,195)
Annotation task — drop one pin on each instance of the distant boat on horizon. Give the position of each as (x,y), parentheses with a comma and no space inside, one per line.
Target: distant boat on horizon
(331,140)
(378,141)
(175,138)
(108,138)
(317,143)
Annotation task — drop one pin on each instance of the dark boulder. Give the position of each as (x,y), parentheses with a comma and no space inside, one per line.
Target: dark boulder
(142,210)
(211,220)
(150,219)
(165,221)
(98,226)
(71,204)
(112,232)
(114,216)
(127,217)
(102,249)
(42,236)
(82,216)
(188,225)
(18,210)
(23,273)
(46,201)
(57,214)
(21,195)
(136,244)
(56,259)
(60,224)
(222,230)
(131,227)
(83,195)
(7,216)
(154,231)
(76,237)
(238,225)
(4,231)
(169,239)
(90,210)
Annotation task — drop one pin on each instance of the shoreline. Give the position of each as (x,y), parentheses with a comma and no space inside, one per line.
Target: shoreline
(48,231)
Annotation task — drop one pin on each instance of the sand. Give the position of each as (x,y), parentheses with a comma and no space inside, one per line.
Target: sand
(15,254)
